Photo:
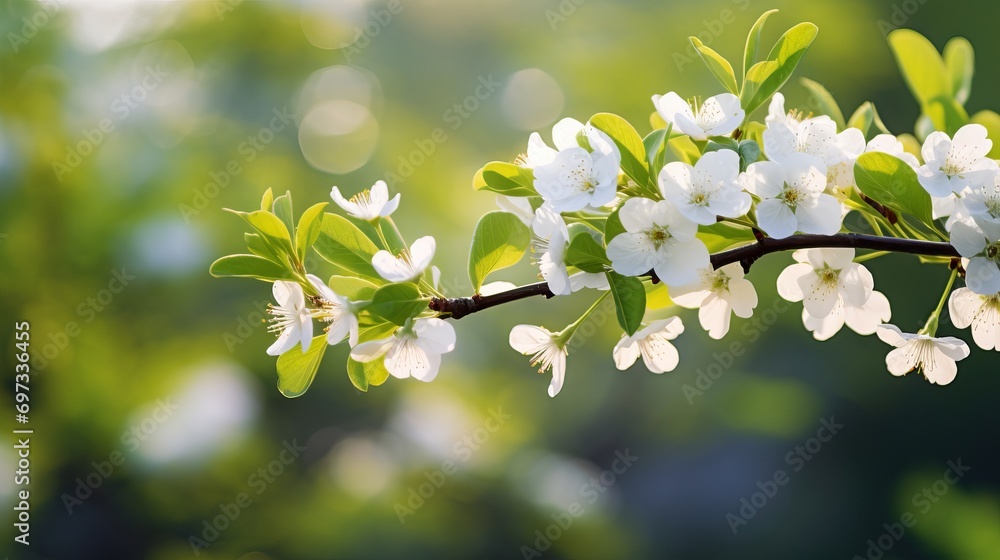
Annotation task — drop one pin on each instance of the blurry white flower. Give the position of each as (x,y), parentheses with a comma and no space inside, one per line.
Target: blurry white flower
(982,202)
(719,115)
(575,177)
(950,165)
(822,277)
(653,344)
(935,357)
(551,240)
(717,294)
(545,351)
(706,190)
(409,265)
(658,237)
(413,350)
(291,319)
(792,197)
(337,311)
(982,312)
(368,205)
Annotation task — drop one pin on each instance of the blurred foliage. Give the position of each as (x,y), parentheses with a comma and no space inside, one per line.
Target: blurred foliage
(214,132)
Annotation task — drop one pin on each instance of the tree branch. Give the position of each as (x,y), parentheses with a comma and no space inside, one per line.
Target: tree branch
(456,308)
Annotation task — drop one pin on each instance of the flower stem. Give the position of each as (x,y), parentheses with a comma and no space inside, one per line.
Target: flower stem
(870,256)
(381,236)
(564,336)
(930,328)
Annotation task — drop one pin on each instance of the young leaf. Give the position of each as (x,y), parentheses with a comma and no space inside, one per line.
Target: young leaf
(500,240)
(346,246)
(722,236)
(630,300)
(767,77)
(249,266)
(367,374)
(259,247)
(656,150)
(308,230)
(749,151)
(893,183)
(586,253)
(397,302)
(353,288)
(928,78)
(505,178)
(826,103)
(753,41)
(267,200)
(283,210)
(718,66)
(612,227)
(629,143)
(296,370)
(959,59)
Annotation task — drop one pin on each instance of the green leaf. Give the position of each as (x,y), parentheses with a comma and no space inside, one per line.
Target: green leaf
(767,77)
(991,121)
(613,227)
(959,59)
(586,253)
(308,230)
(893,183)
(367,374)
(505,178)
(500,240)
(721,236)
(378,331)
(629,143)
(630,300)
(249,266)
(864,117)
(283,210)
(717,65)
(346,246)
(749,151)
(656,150)
(753,41)
(352,287)
(825,101)
(717,143)
(267,201)
(296,370)
(397,302)
(259,247)
(928,78)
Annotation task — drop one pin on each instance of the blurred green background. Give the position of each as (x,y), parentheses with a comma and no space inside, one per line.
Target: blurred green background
(154,406)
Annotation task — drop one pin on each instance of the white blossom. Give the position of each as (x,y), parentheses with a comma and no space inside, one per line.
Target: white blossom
(863,320)
(981,312)
(657,237)
(979,241)
(368,205)
(653,344)
(935,357)
(409,265)
(950,165)
(291,319)
(717,294)
(706,190)
(573,177)
(719,115)
(822,277)
(413,350)
(545,351)
(792,197)
(337,311)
